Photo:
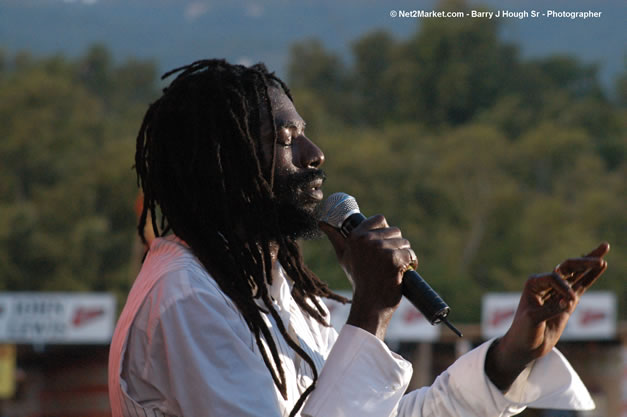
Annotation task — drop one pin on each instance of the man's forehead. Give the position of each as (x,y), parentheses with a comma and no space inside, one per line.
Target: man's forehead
(285,114)
(278,99)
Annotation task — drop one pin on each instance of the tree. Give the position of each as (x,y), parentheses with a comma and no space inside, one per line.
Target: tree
(67,189)
(494,166)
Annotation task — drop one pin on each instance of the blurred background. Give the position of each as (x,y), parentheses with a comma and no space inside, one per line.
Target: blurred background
(498,145)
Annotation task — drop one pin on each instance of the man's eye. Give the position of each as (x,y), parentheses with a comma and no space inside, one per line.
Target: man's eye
(285,139)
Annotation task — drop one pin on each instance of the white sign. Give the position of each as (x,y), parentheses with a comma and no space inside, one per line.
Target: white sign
(407,323)
(593,319)
(60,318)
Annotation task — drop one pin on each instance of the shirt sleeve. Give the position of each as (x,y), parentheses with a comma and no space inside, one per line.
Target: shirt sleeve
(562,390)
(464,389)
(211,368)
(362,377)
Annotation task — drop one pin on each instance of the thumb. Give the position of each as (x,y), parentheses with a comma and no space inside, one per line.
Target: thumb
(336,238)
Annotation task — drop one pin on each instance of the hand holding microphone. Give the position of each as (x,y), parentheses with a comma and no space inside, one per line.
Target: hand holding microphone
(381,265)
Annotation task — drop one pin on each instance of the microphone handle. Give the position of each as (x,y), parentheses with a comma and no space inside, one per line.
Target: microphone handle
(423,297)
(414,287)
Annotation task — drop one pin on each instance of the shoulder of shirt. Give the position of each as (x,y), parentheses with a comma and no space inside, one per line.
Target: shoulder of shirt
(177,274)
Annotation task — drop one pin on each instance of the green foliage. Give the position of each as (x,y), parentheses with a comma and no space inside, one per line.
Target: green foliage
(495,167)
(312,67)
(67,188)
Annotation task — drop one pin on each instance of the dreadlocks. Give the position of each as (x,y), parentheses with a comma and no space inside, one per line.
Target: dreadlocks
(198,160)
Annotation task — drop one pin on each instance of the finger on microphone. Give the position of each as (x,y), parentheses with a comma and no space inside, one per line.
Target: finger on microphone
(413,259)
(377,221)
(394,243)
(409,262)
(386,233)
(336,238)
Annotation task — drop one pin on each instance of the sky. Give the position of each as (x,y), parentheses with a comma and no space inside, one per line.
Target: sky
(175,33)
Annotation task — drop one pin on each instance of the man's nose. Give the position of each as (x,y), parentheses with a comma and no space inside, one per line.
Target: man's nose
(309,154)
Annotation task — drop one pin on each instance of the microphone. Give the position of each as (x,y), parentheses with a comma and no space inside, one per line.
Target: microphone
(341,211)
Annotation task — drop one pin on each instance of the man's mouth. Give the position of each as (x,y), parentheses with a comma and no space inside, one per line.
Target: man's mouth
(302,188)
(315,189)
(299,197)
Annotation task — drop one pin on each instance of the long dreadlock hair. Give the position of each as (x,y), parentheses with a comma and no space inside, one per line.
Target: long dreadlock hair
(198,160)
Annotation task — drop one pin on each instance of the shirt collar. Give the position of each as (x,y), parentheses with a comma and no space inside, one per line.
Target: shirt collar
(281,288)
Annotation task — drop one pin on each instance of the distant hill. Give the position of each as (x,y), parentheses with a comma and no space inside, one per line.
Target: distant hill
(175,33)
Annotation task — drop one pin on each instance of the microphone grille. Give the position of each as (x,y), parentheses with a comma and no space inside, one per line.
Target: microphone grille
(337,208)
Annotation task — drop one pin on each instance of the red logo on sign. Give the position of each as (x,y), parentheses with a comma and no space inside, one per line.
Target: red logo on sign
(84,315)
(591,316)
(411,315)
(501,315)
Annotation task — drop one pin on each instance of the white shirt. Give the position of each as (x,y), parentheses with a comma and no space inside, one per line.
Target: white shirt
(181,348)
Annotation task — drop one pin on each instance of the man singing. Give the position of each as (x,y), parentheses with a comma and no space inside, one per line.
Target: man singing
(225,319)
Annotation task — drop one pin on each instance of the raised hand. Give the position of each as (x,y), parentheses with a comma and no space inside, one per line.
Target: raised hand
(545,306)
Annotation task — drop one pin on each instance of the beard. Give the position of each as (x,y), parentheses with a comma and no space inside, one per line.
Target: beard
(298,211)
